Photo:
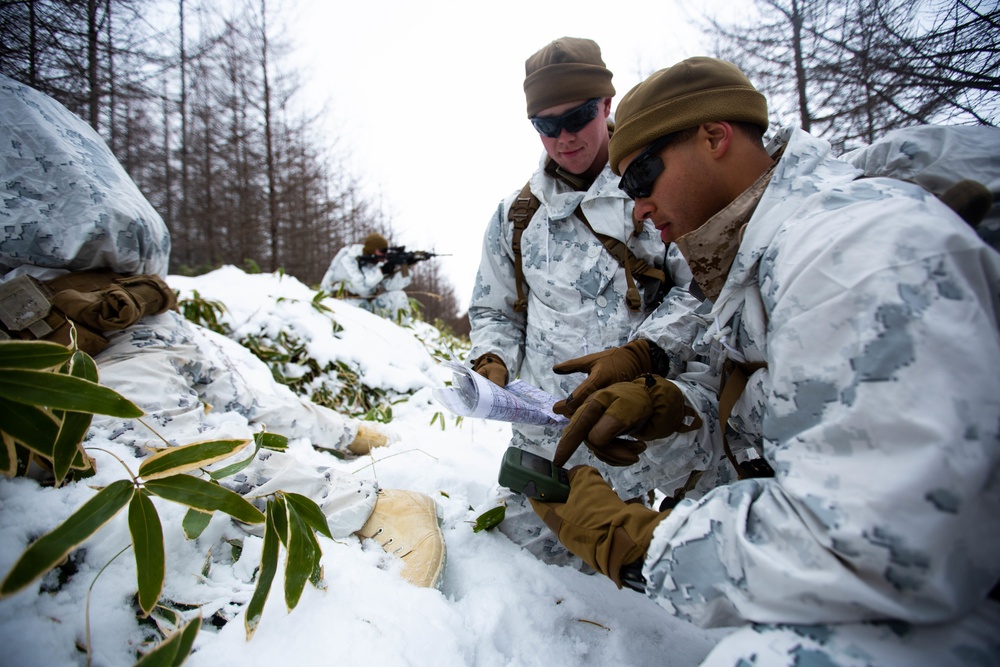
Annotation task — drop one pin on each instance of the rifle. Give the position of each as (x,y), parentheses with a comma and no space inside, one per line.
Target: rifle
(396,256)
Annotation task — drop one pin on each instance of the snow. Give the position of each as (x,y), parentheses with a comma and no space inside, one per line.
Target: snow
(498,605)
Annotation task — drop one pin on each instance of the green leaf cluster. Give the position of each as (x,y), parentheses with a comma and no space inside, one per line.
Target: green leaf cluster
(48,396)
(292,521)
(163,475)
(335,384)
(204,312)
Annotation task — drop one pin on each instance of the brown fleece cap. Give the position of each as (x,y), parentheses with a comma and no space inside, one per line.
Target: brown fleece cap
(373,242)
(692,92)
(566,70)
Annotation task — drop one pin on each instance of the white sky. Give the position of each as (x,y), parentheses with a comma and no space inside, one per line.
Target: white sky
(428,97)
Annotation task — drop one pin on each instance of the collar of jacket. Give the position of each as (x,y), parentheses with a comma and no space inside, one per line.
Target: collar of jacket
(711,249)
(578,183)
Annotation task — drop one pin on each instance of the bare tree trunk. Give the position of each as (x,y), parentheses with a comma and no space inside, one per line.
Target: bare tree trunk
(272,195)
(112,126)
(32,45)
(168,200)
(94,86)
(800,70)
(185,209)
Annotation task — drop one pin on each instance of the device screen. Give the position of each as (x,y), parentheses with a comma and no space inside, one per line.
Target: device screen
(535,463)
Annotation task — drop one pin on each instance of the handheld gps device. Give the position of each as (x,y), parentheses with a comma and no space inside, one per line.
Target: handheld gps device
(534,476)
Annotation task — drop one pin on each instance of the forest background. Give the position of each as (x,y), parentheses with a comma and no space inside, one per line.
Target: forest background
(207,106)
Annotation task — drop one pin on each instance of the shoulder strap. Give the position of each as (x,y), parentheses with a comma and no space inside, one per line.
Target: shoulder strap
(521,212)
(633,265)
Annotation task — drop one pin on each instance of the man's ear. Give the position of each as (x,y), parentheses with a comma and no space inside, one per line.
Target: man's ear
(719,136)
(606,106)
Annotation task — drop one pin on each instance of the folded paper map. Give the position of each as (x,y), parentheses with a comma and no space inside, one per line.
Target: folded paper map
(472,395)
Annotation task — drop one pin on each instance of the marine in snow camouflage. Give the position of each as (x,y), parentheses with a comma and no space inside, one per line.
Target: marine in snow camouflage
(365,286)
(876,311)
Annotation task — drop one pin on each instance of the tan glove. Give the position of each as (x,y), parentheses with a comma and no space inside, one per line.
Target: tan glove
(491,367)
(597,525)
(618,364)
(647,408)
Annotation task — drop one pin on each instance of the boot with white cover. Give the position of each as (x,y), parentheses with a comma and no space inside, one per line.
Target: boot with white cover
(405,524)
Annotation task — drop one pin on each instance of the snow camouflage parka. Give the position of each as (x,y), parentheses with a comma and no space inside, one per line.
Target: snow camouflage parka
(376,292)
(576,298)
(65,201)
(876,311)
(937,157)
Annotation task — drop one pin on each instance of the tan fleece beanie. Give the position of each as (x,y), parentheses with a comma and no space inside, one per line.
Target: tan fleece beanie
(566,70)
(692,92)
(373,242)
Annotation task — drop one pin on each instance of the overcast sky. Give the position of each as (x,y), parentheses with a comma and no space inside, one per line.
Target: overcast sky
(427,96)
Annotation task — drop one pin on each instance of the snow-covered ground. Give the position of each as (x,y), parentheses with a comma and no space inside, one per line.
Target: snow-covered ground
(498,605)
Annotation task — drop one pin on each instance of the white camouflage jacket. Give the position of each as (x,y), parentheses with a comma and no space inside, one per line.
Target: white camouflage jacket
(66,204)
(876,311)
(345,273)
(575,291)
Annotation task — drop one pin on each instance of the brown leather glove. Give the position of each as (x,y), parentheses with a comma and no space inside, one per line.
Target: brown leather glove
(491,367)
(647,408)
(597,525)
(618,364)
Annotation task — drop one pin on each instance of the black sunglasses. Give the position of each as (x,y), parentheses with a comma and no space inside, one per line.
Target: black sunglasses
(573,120)
(638,179)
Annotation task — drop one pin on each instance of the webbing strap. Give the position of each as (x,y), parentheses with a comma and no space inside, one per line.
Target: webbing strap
(735,377)
(521,212)
(631,263)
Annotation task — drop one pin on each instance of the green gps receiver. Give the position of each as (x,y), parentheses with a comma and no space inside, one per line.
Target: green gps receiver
(534,476)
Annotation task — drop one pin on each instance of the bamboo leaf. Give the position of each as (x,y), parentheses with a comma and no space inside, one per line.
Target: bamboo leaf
(195,522)
(64,392)
(47,551)
(280,517)
(173,650)
(31,426)
(265,576)
(187,635)
(74,424)
(309,512)
(205,496)
(83,366)
(67,446)
(227,471)
(147,543)
(176,460)
(272,441)
(301,559)
(32,354)
(490,519)
(163,655)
